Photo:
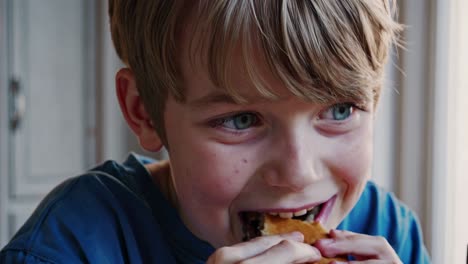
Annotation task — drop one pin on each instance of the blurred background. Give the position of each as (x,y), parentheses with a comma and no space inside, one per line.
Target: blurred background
(59,114)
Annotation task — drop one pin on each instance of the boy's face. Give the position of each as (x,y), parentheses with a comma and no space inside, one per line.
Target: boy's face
(267,156)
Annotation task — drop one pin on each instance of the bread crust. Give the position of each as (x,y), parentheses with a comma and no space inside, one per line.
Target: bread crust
(312,232)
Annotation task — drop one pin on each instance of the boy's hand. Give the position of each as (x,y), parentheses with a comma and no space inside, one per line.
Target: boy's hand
(286,248)
(365,248)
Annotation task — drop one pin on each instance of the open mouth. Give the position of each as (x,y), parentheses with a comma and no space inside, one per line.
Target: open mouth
(252,222)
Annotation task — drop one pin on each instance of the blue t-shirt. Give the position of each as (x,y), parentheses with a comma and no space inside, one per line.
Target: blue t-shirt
(115,214)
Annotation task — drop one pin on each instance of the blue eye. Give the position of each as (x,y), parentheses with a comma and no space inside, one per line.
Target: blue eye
(342,111)
(240,121)
(338,112)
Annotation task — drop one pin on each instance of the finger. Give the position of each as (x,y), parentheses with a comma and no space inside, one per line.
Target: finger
(287,251)
(373,261)
(359,245)
(251,248)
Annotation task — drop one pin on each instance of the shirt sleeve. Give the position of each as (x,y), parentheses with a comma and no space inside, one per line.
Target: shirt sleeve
(380,213)
(93,218)
(21,257)
(410,246)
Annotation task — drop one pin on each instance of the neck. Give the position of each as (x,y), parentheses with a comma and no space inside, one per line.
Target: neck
(161,175)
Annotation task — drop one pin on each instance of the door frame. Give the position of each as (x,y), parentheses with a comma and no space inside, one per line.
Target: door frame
(4,124)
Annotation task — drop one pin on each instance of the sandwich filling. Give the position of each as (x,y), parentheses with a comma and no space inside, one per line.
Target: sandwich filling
(253,222)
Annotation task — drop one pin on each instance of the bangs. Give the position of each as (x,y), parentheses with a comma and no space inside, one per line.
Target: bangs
(322,50)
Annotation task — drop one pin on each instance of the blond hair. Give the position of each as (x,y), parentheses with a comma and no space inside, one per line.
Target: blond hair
(321,50)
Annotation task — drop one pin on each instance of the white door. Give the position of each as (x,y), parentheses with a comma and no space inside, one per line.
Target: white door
(47,82)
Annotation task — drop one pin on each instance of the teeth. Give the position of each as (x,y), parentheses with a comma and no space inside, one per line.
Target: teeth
(286,215)
(312,212)
(316,210)
(299,213)
(310,218)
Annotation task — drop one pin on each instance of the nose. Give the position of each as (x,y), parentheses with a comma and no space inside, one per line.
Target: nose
(294,165)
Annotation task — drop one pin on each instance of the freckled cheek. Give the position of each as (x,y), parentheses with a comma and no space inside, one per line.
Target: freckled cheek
(214,178)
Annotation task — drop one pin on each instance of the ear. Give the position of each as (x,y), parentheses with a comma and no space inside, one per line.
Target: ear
(134,111)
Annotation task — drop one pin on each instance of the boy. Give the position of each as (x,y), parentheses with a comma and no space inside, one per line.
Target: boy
(263,106)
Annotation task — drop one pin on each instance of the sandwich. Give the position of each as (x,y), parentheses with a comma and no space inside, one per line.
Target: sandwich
(257,224)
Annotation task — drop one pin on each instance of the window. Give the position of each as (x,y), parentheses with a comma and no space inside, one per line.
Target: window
(450,126)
